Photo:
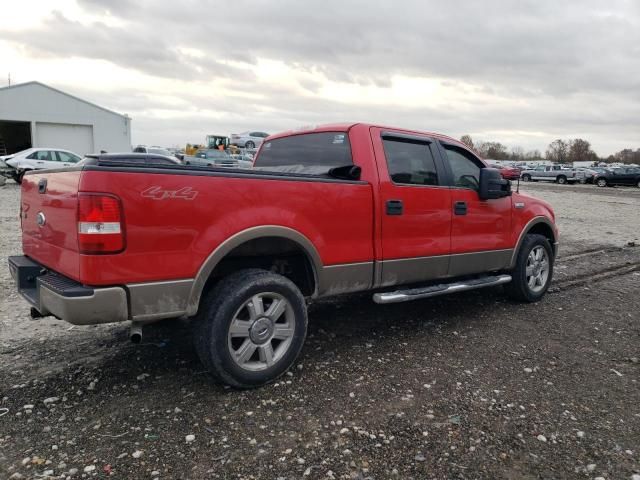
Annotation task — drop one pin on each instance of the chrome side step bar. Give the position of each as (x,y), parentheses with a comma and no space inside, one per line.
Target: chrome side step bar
(442,289)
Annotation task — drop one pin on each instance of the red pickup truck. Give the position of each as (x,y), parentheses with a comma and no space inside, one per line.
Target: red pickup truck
(325,211)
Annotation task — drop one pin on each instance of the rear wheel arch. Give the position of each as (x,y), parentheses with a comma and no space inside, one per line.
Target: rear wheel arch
(275,248)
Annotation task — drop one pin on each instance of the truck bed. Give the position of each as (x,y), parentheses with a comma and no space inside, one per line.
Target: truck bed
(175,217)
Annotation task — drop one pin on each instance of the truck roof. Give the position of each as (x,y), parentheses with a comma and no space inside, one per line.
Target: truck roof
(345,127)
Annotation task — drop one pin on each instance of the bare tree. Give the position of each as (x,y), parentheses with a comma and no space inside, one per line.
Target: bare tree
(533,155)
(467,140)
(558,151)
(627,155)
(493,150)
(580,151)
(517,153)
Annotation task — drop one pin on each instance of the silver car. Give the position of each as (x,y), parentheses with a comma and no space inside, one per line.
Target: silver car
(216,158)
(248,139)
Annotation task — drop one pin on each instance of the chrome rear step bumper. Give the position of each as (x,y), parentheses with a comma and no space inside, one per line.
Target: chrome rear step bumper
(442,289)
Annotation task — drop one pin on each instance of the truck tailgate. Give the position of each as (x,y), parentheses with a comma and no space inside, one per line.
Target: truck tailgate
(48,210)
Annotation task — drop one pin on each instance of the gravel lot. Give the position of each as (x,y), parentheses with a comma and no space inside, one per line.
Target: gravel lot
(467,386)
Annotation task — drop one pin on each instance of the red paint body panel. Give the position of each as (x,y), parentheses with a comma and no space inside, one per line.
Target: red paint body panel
(486,226)
(533,207)
(424,228)
(170,238)
(55,244)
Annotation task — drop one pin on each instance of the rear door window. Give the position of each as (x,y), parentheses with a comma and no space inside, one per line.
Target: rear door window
(311,153)
(67,157)
(410,163)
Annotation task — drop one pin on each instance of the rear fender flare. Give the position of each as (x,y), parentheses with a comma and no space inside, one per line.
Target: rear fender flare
(238,239)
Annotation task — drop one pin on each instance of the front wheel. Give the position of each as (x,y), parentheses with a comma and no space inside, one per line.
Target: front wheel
(526,178)
(18,176)
(251,328)
(601,182)
(249,144)
(533,271)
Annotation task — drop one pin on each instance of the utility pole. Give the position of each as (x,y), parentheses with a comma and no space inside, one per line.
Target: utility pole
(9,78)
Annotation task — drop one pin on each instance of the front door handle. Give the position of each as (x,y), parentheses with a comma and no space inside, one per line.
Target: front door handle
(460,208)
(394,207)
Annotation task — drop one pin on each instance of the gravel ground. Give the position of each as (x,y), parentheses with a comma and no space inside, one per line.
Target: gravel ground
(466,386)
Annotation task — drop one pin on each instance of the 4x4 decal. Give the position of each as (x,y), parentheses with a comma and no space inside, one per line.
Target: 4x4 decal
(158,193)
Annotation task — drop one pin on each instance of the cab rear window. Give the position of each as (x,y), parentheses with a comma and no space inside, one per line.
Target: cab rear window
(311,153)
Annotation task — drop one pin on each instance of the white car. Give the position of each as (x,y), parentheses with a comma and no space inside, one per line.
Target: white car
(248,140)
(36,159)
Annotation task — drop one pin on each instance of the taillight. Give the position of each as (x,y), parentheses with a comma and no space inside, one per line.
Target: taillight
(100,223)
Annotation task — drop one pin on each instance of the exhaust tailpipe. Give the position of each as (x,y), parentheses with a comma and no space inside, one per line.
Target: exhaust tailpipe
(135,334)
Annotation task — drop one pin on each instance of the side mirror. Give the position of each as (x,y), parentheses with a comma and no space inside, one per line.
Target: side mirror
(349,172)
(492,185)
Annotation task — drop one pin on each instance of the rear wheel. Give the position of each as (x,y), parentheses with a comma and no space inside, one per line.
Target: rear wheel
(251,328)
(534,270)
(249,144)
(601,182)
(561,179)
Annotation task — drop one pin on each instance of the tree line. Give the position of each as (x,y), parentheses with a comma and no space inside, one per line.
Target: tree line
(558,151)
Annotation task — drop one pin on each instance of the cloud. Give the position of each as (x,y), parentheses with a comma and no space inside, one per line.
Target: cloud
(558,68)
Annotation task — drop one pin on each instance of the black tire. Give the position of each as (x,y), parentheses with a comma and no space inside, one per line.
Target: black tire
(217,311)
(249,144)
(519,289)
(601,182)
(526,177)
(561,179)
(638,183)
(18,176)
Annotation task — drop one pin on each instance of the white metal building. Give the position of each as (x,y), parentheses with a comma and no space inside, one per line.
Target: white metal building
(35,115)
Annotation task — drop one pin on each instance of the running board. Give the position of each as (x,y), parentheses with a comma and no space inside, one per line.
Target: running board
(442,289)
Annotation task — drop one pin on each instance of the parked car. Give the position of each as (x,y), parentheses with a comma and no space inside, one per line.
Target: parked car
(17,164)
(216,158)
(589,174)
(248,139)
(415,216)
(157,151)
(629,176)
(552,173)
(508,173)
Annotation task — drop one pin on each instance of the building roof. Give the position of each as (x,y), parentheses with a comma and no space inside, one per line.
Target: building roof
(40,84)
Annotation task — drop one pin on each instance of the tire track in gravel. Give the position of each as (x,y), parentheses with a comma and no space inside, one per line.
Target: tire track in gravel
(594,265)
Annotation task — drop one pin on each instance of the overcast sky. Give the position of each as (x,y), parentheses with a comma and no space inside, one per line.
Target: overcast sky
(520,72)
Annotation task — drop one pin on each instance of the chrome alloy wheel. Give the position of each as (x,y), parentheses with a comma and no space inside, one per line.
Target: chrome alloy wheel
(261,331)
(537,271)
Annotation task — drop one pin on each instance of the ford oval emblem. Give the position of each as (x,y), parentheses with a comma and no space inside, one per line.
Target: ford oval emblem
(41,219)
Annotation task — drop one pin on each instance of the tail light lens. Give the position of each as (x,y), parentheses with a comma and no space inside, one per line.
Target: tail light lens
(100,224)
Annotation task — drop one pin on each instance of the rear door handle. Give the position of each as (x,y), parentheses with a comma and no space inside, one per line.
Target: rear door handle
(395,207)
(460,208)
